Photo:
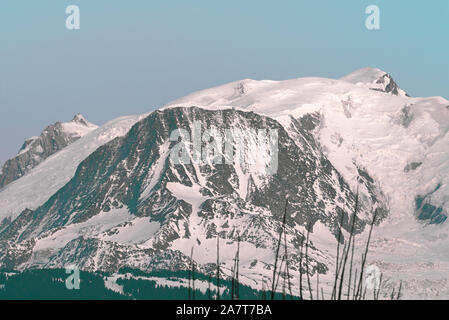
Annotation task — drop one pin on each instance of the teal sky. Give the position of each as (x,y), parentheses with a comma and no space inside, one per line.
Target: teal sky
(130,57)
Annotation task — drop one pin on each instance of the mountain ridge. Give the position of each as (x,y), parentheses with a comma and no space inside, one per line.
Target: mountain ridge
(35,150)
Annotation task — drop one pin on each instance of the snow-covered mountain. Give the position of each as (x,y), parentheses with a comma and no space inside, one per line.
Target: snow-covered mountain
(130,195)
(36,149)
(400,140)
(40,183)
(116,198)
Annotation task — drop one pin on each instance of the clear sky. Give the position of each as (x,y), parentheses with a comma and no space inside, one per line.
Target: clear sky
(130,57)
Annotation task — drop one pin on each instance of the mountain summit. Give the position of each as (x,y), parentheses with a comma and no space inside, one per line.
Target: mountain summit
(79,118)
(376,79)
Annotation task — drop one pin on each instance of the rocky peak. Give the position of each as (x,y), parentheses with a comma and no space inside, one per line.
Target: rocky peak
(80,119)
(36,149)
(375,79)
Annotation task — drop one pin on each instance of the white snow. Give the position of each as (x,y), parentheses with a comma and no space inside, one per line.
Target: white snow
(156,170)
(90,228)
(135,231)
(111,283)
(117,225)
(191,195)
(365,75)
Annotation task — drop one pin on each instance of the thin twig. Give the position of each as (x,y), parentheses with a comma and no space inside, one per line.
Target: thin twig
(218,266)
(337,261)
(350,268)
(277,252)
(307,263)
(399,292)
(364,256)
(286,260)
(354,217)
(300,268)
(317,282)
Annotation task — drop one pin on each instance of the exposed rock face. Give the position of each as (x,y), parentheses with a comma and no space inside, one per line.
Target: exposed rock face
(388,85)
(36,149)
(193,203)
(428,212)
(90,254)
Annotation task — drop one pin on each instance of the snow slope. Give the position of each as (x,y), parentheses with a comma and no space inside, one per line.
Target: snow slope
(33,189)
(35,150)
